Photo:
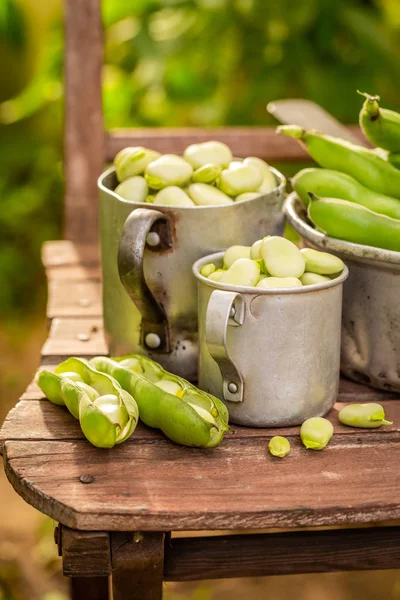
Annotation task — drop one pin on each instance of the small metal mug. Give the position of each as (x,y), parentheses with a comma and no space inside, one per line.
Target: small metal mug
(149,293)
(272,355)
(371,308)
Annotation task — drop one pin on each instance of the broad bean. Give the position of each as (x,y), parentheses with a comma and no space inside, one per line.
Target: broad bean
(313,278)
(208,269)
(366,166)
(316,432)
(282,258)
(247,196)
(233,253)
(238,181)
(279,446)
(173,196)
(255,251)
(243,271)
(207,173)
(133,161)
(134,189)
(322,263)
(216,276)
(269,180)
(367,416)
(204,194)
(188,416)
(168,169)
(279,282)
(380,125)
(216,153)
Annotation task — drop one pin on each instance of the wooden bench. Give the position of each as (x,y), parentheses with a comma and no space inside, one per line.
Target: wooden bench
(116,508)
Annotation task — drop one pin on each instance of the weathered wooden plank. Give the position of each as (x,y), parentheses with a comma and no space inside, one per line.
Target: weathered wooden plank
(138,563)
(66,253)
(85,553)
(191,559)
(42,420)
(159,486)
(74,337)
(89,588)
(74,299)
(84,138)
(244,141)
(74,273)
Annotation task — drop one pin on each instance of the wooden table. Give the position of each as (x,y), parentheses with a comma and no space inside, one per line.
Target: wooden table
(116,508)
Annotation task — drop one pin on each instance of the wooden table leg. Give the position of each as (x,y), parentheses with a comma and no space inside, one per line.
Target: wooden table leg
(89,588)
(138,563)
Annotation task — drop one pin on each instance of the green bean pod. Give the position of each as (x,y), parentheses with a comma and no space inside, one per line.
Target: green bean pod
(187,416)
(333,153)
(333,184)
(107,414)
(394,159)
(380,125)
(354,223)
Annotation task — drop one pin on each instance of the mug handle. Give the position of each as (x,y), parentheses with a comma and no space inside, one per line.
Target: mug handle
(134,239)
(225,309)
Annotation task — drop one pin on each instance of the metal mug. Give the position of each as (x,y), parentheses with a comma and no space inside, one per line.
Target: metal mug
(149,293)
(272,355)
(371,308)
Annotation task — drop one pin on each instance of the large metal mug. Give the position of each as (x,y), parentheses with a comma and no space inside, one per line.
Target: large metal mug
(272,355)
(149,292)
(371,307)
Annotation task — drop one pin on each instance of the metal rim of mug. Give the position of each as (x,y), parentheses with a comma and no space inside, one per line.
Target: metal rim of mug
(349,249)
(218,256)
(279,188)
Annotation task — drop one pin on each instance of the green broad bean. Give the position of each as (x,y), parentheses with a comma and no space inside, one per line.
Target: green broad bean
(207,173)
(313,278)
(173,196)
(316,432)
(366,416)
(366,166)
(247,196)
(168,169)
(279,282)
(235,164)
(240,180)
(268,178)
(255,250)
(133,161)
(205,153)
(243,271)
(134,189)
(353,223)
(107,414)
(208,269)
(380,125)
(233,253)
(279,446)
(189,416)
(282,258)
(204,194)
(394,159)
(322,263)
(332,184)
(216,276)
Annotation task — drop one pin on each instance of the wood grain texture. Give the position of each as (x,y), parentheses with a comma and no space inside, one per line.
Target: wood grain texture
(74,273)
(85,553)
(74,299)
(157,486)
(191,559)
(138,563)
(244,141)
(74,337)
(89,588)
(63,253)
(84,137)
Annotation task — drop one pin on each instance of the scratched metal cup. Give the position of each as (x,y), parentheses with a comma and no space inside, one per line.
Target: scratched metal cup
(149,292)
(371,307)
(272,355)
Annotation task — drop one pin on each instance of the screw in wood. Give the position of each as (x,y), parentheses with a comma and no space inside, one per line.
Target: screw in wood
(84,302)
(83,337)
(86,478)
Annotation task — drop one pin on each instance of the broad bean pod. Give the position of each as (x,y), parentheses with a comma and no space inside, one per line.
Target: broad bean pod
(188,416)
(380,125)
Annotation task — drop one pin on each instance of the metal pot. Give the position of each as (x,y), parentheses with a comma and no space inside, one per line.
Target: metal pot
(149,293)
(370,350)
(272,355)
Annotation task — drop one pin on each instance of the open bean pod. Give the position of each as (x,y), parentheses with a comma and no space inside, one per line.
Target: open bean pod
(185,414)
(107,414)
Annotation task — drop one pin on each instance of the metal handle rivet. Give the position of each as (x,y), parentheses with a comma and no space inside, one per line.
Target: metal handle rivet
(232,312)
(232,387)
(152,340)
(153,239)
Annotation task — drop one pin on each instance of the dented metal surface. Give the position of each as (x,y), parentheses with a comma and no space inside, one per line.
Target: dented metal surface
(275,358)
(159,278)
(370,350)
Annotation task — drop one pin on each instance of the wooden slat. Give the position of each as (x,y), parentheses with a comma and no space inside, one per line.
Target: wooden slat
(85,553)
(244,141)
(74,299)
(84,138)
(89,588)
(74,337)
(66,253)
(160,486)
(74,273)
(191,559)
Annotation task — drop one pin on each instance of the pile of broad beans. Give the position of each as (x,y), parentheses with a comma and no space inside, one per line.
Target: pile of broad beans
(206,175)
(356,195)
(274,262)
